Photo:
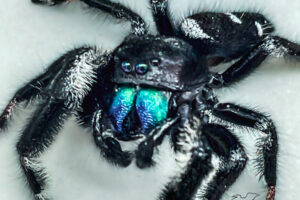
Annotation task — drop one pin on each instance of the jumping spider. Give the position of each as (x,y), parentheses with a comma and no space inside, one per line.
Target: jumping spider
(153,86)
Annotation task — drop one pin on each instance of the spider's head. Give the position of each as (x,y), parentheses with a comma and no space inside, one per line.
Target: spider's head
(160,62)
(149,71)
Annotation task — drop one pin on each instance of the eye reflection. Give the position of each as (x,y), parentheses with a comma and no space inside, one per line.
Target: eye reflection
(141,68)
(155,62)
(126,67)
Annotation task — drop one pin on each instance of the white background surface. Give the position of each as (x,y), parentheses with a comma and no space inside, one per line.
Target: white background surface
(31,37)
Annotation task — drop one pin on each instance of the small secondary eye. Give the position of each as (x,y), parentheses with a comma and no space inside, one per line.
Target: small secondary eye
(126,66)
(155,62)
(141,68)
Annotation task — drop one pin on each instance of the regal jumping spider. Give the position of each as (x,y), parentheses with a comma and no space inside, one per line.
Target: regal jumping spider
(153,86)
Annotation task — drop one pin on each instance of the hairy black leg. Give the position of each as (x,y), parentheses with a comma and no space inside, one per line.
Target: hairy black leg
(37,136)
(271,45)
(267,144)
(119,11)
(7,113)
(30,91)
(35,87)
(145,149)
(241,68)
(110,147)
(184,185)
(161,17)
(61,97)
(192,154)
(229,165)
(213,162)
(291,48)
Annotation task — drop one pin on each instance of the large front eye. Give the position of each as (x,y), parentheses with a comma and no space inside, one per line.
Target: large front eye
(141,68)
(126,67)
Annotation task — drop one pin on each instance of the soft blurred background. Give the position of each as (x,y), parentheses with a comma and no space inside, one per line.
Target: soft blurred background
(32,36)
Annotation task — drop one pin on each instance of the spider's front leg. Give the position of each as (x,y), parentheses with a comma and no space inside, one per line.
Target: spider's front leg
(117,10)
(64,85)
(161,17)
(203,150)
(33,89)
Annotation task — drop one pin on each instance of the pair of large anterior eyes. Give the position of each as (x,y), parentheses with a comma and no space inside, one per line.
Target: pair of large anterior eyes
(140,68)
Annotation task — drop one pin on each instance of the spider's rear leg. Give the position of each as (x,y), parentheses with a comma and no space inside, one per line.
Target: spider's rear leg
(267,144)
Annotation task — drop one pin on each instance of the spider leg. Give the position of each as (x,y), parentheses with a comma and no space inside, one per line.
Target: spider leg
(36,137)
(161,17)
(291,48)
(35,87)
(193,155)
(145,149)
(272,45)
(241,68)
(223,37)
(30,91)
(230,163)
(183,185)
(110,147)
(215,154)
(117,10)
(61,97)
(267,145)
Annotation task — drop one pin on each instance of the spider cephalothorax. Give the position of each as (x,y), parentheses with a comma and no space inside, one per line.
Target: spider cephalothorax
(162,62)
(150,87)
(149,72)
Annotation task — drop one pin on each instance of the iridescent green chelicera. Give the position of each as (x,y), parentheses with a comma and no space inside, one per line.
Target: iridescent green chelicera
(152,108)
(121,105)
